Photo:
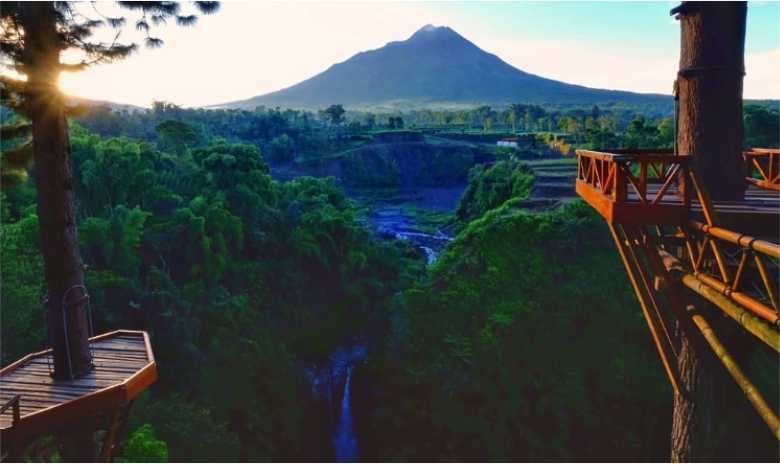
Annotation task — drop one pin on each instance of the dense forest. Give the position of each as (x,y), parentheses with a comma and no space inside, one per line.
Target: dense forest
(374,279)
(248,285)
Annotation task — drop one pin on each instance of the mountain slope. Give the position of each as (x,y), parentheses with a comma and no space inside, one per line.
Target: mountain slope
(436,65)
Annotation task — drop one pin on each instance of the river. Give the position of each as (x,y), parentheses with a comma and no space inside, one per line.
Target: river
(390,214)
(395,222)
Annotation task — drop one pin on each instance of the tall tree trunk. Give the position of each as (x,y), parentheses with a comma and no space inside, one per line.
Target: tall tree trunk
(712,65)
(66,315)
(692,421)
(66,303)
(709,88)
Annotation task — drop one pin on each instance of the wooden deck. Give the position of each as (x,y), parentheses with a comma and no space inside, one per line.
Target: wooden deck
(723,252)
(641,188)
(124,367)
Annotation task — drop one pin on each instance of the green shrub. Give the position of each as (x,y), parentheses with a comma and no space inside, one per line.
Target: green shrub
(144,446)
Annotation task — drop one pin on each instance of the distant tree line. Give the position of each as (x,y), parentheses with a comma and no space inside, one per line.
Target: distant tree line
(286,134)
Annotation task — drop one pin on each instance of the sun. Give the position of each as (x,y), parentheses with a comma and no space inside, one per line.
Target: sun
(68,84)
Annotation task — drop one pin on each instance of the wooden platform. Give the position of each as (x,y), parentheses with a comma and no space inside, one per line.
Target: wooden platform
(641,188)
(124,367)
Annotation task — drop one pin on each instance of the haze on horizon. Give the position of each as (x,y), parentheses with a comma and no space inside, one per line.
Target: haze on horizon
(248,49)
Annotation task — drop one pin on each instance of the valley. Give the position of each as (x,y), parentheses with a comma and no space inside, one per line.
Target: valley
(386,260)
(389,262)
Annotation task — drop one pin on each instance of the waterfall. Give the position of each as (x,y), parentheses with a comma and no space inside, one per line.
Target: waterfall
(344,441)
(430,254)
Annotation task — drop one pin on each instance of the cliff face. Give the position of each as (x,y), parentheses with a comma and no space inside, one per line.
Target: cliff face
(403,164)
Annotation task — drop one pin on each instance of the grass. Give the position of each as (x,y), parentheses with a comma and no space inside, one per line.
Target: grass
(427,221)
(552,162)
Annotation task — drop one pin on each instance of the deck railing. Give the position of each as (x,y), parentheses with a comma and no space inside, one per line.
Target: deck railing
(763,167)
(740,267)
(627,187)
(12,404)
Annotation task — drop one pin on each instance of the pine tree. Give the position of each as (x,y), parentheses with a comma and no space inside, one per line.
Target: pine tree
(709,129)
(32,37)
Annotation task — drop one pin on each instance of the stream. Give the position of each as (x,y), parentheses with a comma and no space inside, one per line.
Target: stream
(394,222)
(390,214)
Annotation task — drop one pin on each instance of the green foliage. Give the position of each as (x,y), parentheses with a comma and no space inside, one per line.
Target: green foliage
(281,149)
(512,351)
(15,148)
(491,186)
(395,122)
(762,126)
(640,134)
(191,430)
(144,446)
(114,242)
(238,278)
(177,136)
(335,113)
(508,349)
(21,320)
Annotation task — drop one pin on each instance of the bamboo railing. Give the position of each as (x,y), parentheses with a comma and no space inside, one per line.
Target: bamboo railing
(763,167)
(666,246)
(739,266)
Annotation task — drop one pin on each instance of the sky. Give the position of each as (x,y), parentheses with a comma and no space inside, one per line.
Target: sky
(252,48)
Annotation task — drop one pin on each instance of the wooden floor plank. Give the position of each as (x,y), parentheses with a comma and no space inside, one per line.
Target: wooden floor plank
(109,351)
(10,382)
(116,358)
(37,398)
(122,345)
(131,338)
(43,371)
(113,357)
(25,395)
(101,365)
(120,361)
(36,404)
(24,376)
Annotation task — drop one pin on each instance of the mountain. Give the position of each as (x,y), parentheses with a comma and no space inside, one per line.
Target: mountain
(435,66)
(73,100)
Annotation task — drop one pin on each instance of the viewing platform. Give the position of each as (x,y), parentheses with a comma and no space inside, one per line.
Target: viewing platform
(34,403)
(671,236)
(643,187)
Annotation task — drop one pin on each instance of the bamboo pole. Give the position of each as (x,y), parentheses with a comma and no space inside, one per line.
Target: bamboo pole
(745,241)
(752,394)
(674,269)
(743,317)
(637,239)
(761,310)
(633,272)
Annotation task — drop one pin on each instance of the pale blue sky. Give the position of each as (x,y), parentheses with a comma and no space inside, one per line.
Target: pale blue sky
(251,48)
(630,26)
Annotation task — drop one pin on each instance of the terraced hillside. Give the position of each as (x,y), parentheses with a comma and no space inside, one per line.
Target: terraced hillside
(553,183)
